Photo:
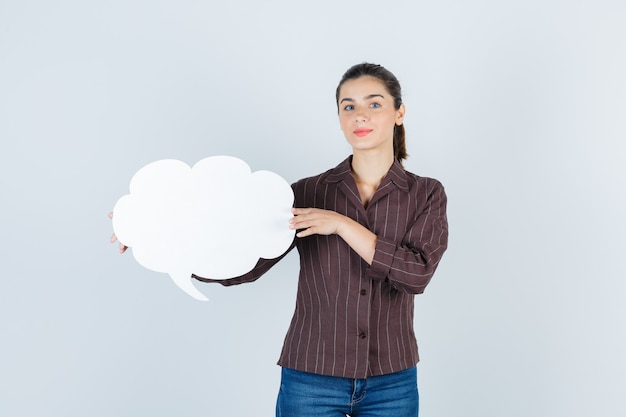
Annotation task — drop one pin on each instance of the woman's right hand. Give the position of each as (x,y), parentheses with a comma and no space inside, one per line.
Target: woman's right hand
(122,247)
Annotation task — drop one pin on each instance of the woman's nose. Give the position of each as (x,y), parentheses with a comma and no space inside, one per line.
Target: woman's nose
(361,116)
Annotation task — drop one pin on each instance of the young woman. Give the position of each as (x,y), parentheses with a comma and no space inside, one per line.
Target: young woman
(370,236)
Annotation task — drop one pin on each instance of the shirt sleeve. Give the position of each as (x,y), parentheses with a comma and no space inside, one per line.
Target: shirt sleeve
(410,266)
(261,267)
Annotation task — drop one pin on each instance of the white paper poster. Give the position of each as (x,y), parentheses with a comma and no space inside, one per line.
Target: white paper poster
(215,219)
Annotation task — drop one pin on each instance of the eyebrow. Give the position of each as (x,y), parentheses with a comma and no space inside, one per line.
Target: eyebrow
(365,98)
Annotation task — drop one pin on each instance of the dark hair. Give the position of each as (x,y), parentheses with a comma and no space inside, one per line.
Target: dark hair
(393,87)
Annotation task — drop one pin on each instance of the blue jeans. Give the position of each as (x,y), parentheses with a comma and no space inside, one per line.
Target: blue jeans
(309,395)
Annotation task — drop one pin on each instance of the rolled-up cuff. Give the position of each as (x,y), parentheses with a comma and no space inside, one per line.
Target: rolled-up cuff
(383,258)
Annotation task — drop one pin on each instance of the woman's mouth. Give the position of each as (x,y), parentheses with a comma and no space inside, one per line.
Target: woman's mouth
(362,132)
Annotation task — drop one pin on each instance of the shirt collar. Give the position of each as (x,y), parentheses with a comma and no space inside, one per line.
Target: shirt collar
(396,174)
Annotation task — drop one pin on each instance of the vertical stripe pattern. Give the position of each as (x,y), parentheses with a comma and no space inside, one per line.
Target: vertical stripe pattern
(352,319)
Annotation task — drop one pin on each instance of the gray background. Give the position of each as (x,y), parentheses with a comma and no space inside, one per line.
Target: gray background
(516,106)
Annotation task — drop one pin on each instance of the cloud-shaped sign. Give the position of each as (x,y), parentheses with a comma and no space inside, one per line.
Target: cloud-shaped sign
(215,220)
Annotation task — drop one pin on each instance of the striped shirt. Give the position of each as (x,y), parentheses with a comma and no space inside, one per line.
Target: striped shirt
(352,319)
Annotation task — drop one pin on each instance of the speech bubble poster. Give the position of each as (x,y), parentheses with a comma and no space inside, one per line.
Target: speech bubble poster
(215,219)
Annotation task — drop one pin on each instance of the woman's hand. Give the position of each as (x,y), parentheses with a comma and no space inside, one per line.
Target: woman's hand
(114,238)
(311,221)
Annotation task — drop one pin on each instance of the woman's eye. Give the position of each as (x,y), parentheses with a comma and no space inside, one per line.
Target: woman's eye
(374,105)
(349,107)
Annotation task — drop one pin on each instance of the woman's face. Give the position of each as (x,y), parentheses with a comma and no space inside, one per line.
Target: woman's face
(367,114)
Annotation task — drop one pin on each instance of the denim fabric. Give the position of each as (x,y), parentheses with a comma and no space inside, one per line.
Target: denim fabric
(309,395)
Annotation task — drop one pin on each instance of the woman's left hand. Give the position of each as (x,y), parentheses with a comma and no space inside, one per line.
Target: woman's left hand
(312,221)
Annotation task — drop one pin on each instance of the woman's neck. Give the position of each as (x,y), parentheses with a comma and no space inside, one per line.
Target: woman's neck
(368,172)
(371,168)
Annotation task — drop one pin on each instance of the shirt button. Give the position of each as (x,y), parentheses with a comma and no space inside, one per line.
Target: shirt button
(363,292)
(362,335)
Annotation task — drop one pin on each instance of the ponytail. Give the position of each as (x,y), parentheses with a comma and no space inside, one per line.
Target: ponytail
(399,143)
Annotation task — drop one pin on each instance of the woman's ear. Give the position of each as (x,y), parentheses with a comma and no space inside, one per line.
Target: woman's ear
(400,114)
